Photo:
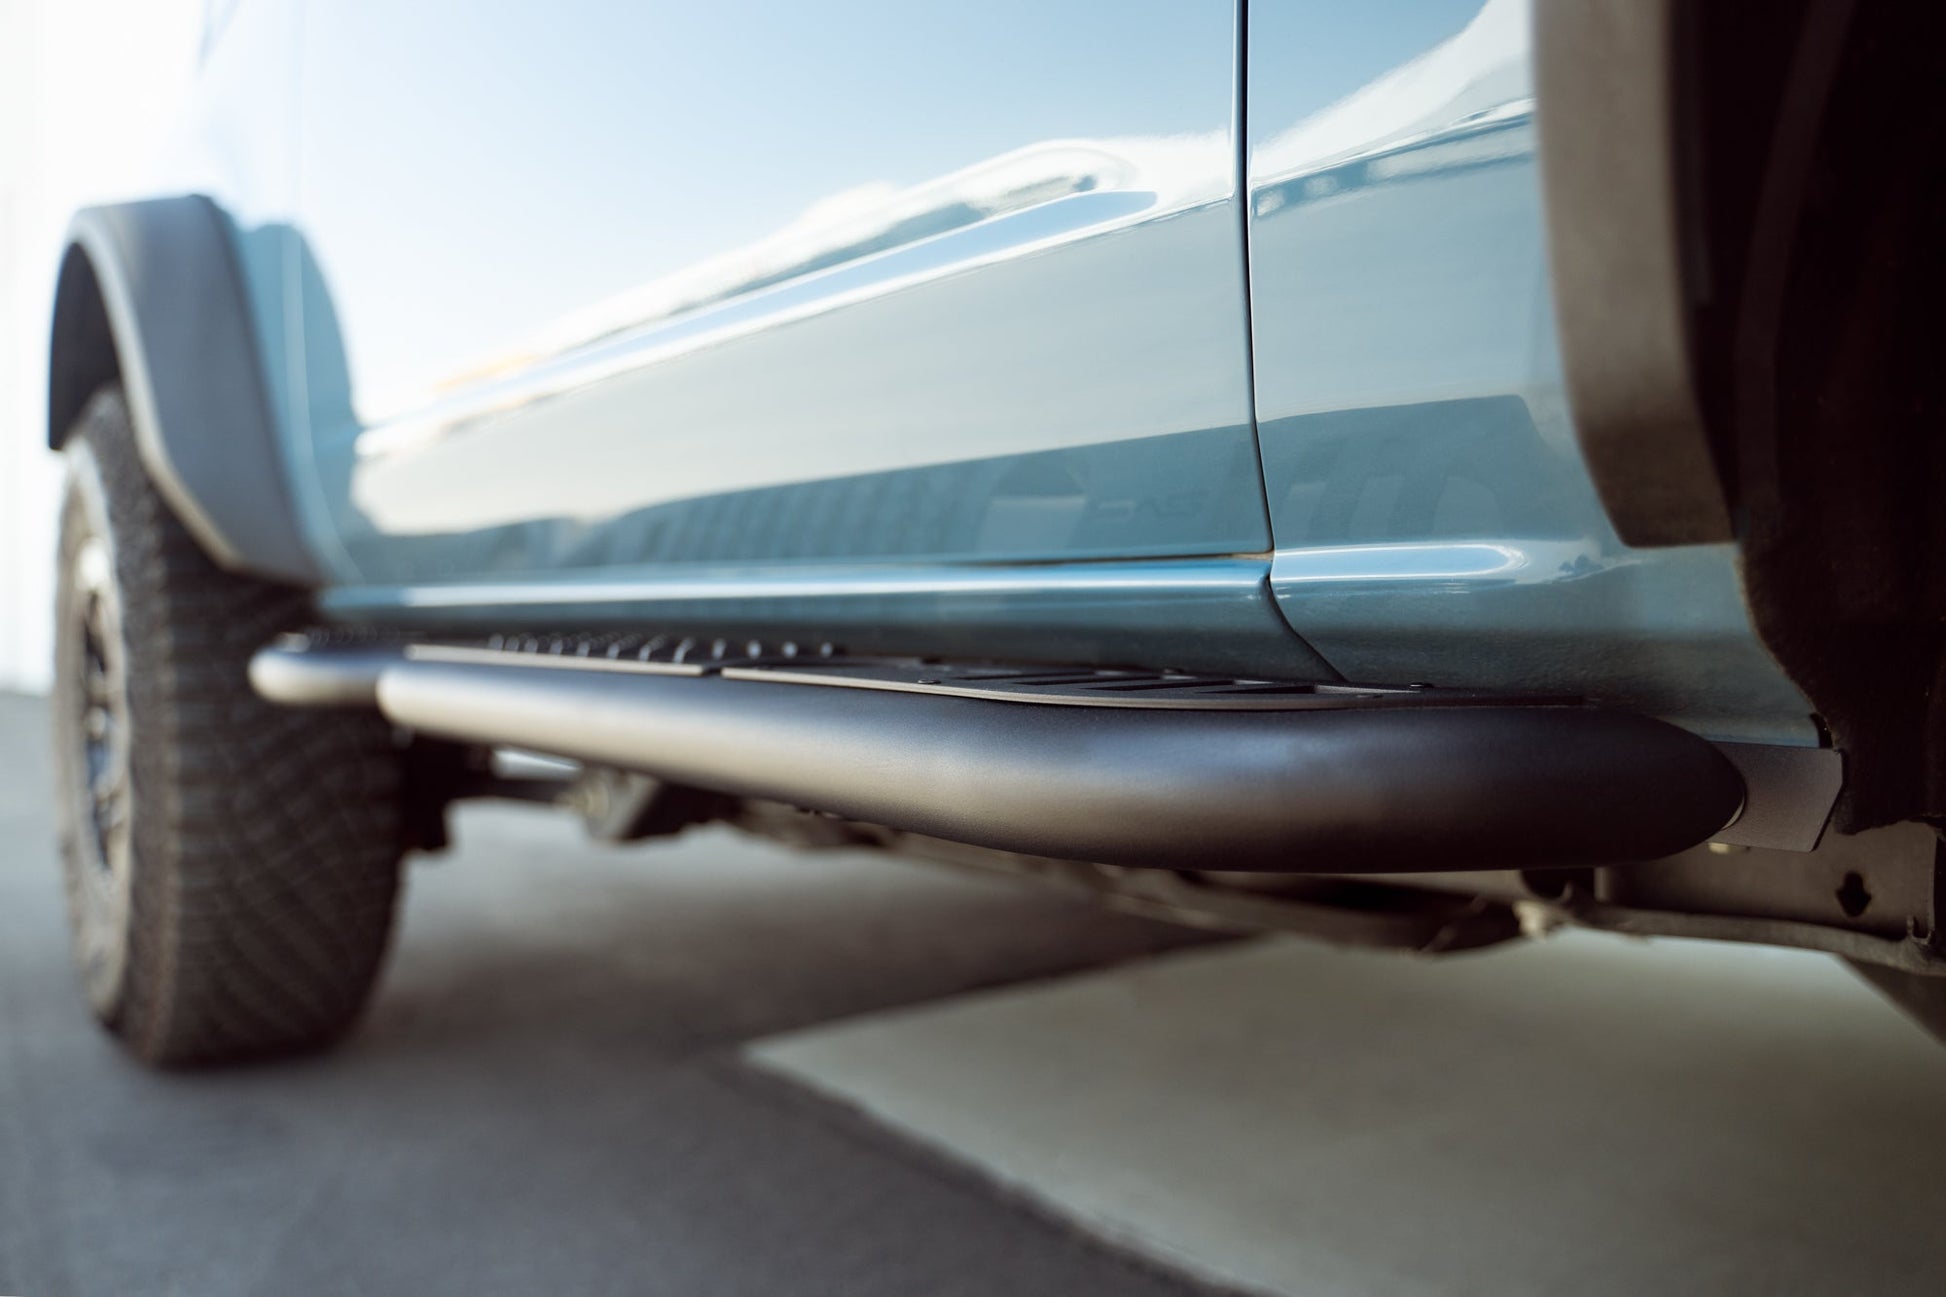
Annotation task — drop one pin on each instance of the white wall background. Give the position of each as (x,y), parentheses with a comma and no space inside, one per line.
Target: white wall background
(88,92)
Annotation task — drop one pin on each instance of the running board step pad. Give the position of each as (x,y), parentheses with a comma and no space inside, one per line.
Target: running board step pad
(1142,768)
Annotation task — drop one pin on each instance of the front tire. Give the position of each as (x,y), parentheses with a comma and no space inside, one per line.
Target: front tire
(232,867)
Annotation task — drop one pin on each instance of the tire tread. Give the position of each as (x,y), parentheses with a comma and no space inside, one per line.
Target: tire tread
(266,840)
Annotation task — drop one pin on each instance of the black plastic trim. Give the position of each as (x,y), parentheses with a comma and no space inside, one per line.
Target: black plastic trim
(158,283)
(1606,81)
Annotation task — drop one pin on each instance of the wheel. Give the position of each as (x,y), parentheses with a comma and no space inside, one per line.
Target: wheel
(232,867)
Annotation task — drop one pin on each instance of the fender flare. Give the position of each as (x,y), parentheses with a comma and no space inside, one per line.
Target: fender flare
(152,293)
(1606,74)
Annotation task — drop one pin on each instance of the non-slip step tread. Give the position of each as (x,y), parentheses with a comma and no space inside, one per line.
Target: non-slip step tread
(786,662)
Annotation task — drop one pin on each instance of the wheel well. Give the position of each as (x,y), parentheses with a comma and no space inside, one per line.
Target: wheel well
(81,354)
(1815,198)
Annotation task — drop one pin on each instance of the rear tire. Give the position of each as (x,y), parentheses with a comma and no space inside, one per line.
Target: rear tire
(232,867)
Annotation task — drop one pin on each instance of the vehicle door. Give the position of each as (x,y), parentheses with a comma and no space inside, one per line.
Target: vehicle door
(626,290)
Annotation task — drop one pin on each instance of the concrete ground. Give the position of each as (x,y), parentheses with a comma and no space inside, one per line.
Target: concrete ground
(1585,1116)
(714,1067)
(547,1096)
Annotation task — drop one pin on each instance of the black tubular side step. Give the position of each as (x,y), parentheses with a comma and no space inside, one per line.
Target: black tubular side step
(1155,769)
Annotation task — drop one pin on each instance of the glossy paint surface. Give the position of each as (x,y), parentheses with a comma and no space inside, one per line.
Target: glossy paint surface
(587,287)
(926,329)
(1212,615)
(1432,514)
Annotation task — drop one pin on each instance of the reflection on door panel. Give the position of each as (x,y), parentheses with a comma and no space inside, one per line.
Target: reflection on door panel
(863,292)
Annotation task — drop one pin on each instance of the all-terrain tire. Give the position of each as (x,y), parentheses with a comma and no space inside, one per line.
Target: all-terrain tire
(232,866)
